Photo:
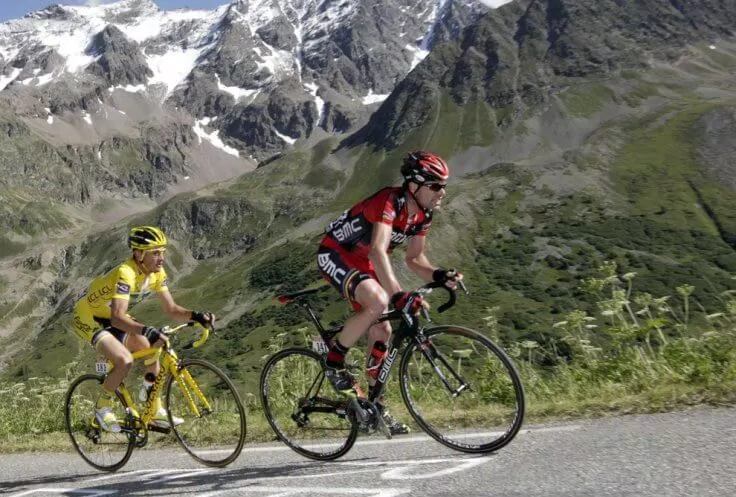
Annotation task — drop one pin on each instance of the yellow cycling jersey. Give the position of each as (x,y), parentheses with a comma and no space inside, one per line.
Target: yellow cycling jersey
(125,282)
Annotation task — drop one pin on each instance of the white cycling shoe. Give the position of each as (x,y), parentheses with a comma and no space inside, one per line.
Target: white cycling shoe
(107,420)
(161,419)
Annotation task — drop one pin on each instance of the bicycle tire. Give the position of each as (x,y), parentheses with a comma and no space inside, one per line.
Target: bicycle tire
(493,398)
(100,449)
(290,384)
(219,424)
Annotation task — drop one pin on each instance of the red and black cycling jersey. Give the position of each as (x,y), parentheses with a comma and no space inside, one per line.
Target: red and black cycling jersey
(353,230)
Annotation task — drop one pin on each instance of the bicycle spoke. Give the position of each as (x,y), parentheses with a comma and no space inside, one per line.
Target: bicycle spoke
(213,418)
(462,390)
(301,406)
(103,450)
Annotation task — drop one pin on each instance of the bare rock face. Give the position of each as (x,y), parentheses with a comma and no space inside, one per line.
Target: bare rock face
(516,55)
(718,149)
(118,60)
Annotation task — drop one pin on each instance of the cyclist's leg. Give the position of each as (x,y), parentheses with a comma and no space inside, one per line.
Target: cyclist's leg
(378,337)
(108,343)
(111,347)
(106,340)
(372,301)
(355,281)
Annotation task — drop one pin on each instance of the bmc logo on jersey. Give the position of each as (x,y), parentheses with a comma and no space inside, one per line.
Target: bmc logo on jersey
(342,229)
(328,266)
(398,237)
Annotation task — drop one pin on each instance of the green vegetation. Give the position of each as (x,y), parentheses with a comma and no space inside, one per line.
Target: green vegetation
(550,266)
(586,99)
(636,353)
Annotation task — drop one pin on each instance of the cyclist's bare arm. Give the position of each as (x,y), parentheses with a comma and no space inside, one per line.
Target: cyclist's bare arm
(378,255)
(416,258)
(417,261)
(172,309)
(120,319)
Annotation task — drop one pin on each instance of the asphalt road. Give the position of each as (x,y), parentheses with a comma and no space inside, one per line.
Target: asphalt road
(680,454)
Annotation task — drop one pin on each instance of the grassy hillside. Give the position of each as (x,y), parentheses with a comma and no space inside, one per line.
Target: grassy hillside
(596,233)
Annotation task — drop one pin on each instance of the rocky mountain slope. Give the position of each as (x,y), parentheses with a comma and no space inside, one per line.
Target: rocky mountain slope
(124,104)
(577,132)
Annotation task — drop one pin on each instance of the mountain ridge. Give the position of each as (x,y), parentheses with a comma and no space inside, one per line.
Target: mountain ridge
(555,172)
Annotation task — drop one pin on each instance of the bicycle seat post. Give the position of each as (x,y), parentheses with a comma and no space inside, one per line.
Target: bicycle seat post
(313,316)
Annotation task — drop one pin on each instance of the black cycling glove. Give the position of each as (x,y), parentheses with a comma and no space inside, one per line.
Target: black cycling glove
(442,275)
(206,319)
(152,334)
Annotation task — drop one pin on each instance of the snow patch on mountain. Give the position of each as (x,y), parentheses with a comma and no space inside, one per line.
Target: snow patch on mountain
(213,137)
(6,80)
(236,91)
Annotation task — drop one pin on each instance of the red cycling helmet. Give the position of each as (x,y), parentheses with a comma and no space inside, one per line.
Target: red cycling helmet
(422,167)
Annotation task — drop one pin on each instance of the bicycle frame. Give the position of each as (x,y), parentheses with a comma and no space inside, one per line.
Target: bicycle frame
(409,329)
(169,366)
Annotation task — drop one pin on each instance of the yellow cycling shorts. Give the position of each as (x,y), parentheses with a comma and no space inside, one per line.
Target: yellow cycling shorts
(90,328)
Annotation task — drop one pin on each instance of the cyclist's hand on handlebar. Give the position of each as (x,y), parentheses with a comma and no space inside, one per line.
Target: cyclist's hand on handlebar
(155,336)
(206,319)
(449,277)
(400,300)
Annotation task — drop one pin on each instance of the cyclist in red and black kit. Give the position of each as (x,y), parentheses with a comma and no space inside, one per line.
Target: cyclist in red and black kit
(354,257)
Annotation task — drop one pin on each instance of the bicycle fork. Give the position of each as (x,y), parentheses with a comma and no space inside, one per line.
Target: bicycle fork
(431,353)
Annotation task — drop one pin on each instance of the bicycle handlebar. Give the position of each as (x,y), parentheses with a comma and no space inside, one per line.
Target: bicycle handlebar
(194,343)
(423,290)
(452,294)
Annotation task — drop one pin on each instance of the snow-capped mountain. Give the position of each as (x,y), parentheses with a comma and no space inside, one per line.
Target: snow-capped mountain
(251,77)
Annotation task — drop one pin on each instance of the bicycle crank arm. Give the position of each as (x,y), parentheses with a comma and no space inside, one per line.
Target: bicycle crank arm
(360,413)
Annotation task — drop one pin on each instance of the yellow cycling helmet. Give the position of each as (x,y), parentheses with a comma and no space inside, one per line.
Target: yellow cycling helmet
(146,238)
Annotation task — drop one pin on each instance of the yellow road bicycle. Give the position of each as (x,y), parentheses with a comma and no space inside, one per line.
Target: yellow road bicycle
(195,390)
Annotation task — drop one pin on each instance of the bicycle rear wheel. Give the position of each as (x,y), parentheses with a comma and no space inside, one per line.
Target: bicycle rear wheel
(303,409)
(462,389)
(213,431)
(101,449)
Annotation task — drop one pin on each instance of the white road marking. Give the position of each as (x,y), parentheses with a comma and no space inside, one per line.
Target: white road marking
(122,473)
(396,470)
(177,475)
(399,469)
(283,491)
(412,439)
(66,491)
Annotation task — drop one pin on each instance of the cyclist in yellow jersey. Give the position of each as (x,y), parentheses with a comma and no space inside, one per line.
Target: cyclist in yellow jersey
(101,316)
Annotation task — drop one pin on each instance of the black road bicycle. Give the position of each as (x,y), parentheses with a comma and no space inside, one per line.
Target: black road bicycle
(460,387)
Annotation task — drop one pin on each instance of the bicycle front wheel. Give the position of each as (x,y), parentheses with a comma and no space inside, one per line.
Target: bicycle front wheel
(211,416)
(104,450)
(462,389)
(303,409)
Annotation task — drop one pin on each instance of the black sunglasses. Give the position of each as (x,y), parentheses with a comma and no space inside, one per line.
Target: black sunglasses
(435,187)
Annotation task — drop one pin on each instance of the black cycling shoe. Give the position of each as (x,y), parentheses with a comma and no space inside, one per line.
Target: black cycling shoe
(340,379)
(395,426)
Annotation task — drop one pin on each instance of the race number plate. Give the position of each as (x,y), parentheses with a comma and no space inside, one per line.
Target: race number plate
(319,345)
(101,366)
